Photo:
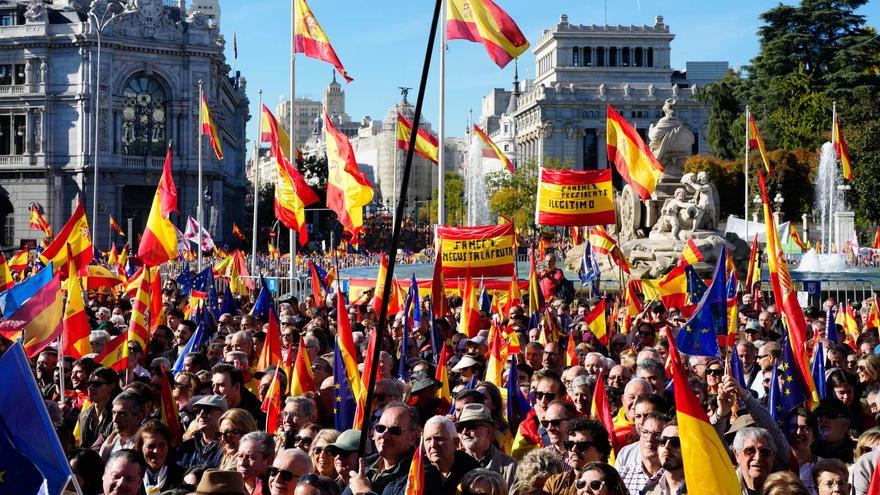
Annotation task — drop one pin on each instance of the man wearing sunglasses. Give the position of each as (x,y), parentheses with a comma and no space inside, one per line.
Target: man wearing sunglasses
(531,433)
(639,475)
(587,443)
(385,472)
(287,468)
(672,481)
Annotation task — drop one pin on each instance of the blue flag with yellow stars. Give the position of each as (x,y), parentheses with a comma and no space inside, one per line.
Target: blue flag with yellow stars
(699,336)
(818,371)
(695,285)
(344,404)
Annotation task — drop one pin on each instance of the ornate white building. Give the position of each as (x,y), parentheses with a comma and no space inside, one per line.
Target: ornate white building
(152,60)
(579,70)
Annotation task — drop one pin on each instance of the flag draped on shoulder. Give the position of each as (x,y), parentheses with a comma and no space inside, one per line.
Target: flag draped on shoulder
(75,233)
(482,21)
(209,129)
(348,189)
(310,39)
(634,160)
(756,141)
(491,150)
(427,144)
(159,242)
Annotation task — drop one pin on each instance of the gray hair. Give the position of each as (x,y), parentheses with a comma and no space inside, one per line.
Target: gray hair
(651,366)
(493,478)
(752,433)
(101,336)
(298,454)
(103,310)
(579,381)
(239,355)
(117,320)
(264,443)
(303,402)
(245,335)
(161,362)
(650,350)
(445,422)
(538,462)
(394,386)
(638,380)
(311,341)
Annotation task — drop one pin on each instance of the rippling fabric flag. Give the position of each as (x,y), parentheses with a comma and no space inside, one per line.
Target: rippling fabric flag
(756,141)
(492,151)
(632,157)
(600,408)
(76,329)
(38,222)
(753,274)
(159,242)
(168,412)
(818,370)
(426,143)
(696,287)
(442,374)
(138,327)
(595,320)
(795,238)
(415,479)
(272,403)
(6,280)
(302,379)
(536,296)
(575,197)
(842,150)
(482,21)
(603,243)
(309,39)
(20,260)
(115,226)
(271,351)
(438,286)
(691,254)
(517,405)
(699,336)
(469,323)
(208,128)
(348,189)
(236,231)
(495,364)
(484,250)
(75,233)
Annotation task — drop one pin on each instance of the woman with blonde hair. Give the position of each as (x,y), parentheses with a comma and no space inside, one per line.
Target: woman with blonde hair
(868,441)
(321,457)
(868,369)
(534,469)
(234,424)
(784,483)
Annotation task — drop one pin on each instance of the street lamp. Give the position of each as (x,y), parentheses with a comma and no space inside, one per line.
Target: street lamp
(100,23)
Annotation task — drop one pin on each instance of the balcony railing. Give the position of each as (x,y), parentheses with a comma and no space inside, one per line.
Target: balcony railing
(13,90)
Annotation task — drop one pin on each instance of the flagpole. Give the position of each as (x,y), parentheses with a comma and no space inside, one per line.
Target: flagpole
(256,184)
(831,179)
(746,213)
(199,207)
(441,124)
(292,121)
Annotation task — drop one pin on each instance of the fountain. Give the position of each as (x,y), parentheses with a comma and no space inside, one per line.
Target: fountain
(475,186)
(813,262)
(828,196)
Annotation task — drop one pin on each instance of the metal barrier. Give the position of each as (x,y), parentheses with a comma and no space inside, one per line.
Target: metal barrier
(278,284)
(818,291)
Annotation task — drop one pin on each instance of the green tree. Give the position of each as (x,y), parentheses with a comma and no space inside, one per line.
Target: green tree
(724,111)
(861,125)
(454,195)
(727,175)
(514,194)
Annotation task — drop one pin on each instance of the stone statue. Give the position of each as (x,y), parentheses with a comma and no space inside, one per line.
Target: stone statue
(36,12)
(626,90)
(602,90)
(651,90)
(677,213)
(671,142)
(705,199)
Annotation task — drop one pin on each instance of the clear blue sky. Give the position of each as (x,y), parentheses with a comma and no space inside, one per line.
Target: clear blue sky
(382,43)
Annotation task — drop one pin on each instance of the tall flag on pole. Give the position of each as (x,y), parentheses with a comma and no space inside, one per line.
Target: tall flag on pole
(842,150)
(756,141)
(348,372)
(517,405)
(236,231)
(754,273)
(138,328)
(495,365)
(380,284)
(159,242)
(602,243)
(76,234)
(634,160)
(302,379)
(168,412)
(795,238)
(271,351)
(595,320)
(209,129)
(272,403)
(699,336)
(481,21)
(76,322)
(235,45)
(38,221)
(600,408)
(491,150)
(427,144)
(818,370)
(20,260)
(536,297)
(115,226)
(348,189)
(310,40)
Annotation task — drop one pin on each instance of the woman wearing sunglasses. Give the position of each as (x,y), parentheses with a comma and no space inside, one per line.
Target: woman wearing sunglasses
(599,478)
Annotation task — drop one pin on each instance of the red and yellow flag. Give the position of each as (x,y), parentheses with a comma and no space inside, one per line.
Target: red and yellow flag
(115,226)
(795,238)
(756,141)
(76,329)
(442,375)
(272,403)
(208,128)
(76,234)
(159,242)
(38,222)
(138,327)
(100,277)
(302,379)
(20,260)
(438,286)
(310,40)
(492,151)
(415,479)
(575,197)
(691,254)
(600,409)
(481,21)
(753,274)
(6,281)
(485,250)
(237,232)
(157,309)
(348,189)
(571,358)
(427,144)
(842,150)
(168,412)
(595,320)
(603,243)
(345,344)
(115,353)
(495,364)
(876,243)
(634,160)
(873,317)
(469,322)
(380,283)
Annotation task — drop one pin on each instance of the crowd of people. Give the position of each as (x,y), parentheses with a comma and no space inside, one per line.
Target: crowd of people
(112,428)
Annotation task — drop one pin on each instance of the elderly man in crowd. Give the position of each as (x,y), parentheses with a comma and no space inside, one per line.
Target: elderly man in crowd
(204,448)
(395,436)
(286,470)
(476,431)
(256,450)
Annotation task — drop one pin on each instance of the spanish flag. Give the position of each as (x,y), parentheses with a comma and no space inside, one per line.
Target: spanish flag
(348,355)
(753,273)
(438,286)
(301,379)
(20,260)
(603,243)
(272,403)
(159,242)
(169,415)
(595,320)
(309,39)
(495,364)
(115,226)
(691,254)
(873,316)
(571,358)
(76,234)
(271,351)
(348,189)
(209,129)
(632,157)
(481,21)
(426,143)
(600,408)
(492,151)
(795,237)
(756,141)
(469,323)
(6,281)
(38,222)
(237,232)
(876,243)
(76,329)
(842,150)
(707,466)
(34,311)
(273,252)
(115,353)
(138,327)
(415,479)
(442,374)
(99,277)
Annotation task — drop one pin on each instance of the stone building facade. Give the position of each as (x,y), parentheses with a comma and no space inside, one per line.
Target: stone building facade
(152,60)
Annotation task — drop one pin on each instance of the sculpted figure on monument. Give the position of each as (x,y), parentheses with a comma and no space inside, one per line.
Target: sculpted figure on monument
(706,200)
(671,141)
(677,213)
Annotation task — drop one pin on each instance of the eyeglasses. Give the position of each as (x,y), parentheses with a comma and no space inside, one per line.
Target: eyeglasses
(751,451)
(671,441)
(303,440)
(593,485)
(717,372)
(230,433)
(393,430)
(95,383)
(545,396)
(285,474)
(320,450)
(650,436)
(556,423)
(762,356)
(581,446)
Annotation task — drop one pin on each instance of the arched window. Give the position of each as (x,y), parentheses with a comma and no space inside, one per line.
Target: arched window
(143,116)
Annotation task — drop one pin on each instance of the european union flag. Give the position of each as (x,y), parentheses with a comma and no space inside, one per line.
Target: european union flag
(30,453)
(228,305)
(185,280)
(589,272)
(344,404)
(485,301)
(193,345)
(263,302)
(695,285)
(818,371)
(699,336)
(204,280)
(517,405)
(831,328)
(790,384)
(774,401)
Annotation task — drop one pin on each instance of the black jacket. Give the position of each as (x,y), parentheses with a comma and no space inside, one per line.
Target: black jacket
(436,484)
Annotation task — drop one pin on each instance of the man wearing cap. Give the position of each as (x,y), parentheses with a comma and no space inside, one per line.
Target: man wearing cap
(345,455)
(476,347)
(424,396)
(204,447)
(476,430)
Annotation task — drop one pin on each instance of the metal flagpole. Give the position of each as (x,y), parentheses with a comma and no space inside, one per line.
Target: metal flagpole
(746,214)
(291,119)
(441,124)
(831,180)
(199,207)
(256,184)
